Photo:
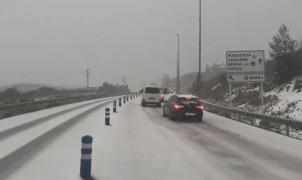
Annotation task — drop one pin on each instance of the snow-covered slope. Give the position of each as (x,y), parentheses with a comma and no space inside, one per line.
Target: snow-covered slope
(282,101)
(289,101)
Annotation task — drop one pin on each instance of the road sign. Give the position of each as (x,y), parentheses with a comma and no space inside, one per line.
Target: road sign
(239,62)
(245,66)
(245,77)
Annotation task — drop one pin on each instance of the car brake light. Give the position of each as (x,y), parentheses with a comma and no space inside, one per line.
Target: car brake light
(201,107)
(178,106)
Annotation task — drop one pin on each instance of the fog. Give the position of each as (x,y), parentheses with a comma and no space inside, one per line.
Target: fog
(54,41)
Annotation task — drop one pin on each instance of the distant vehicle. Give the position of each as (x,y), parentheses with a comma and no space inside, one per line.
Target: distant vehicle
(163,93)
(171,90)
(151,95)
(183,107)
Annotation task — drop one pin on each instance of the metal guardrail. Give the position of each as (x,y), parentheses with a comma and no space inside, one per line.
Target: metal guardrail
(30,106)
(264,121)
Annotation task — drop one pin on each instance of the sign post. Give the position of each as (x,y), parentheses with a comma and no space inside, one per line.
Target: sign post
(246,66)
(262,96)
(230,90)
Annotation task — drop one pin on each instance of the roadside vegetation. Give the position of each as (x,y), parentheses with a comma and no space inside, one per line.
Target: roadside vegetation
(13,95)
(284,66)
(14,101)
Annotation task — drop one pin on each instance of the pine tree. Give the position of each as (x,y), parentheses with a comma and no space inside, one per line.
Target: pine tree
(282,43)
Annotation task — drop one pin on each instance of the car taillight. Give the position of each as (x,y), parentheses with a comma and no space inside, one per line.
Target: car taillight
(201,107)
(178,106)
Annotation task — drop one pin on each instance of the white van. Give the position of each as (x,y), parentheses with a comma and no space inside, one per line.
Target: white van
(151,95)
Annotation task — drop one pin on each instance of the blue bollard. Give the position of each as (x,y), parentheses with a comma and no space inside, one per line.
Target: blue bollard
(120,102)
(127,97)
(114,106)
(107,117)
(124,99)
(86,151)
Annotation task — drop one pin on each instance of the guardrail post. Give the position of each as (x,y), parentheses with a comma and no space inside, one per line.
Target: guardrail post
(287,129)
(107,116)
(86,151)
(114,106)
(252,121)
(120,102)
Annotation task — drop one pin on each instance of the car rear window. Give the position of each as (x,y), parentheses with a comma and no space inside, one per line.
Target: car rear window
(152,90)
(184,100)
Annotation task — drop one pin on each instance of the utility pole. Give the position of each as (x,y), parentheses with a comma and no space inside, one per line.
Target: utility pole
(144,79)
(178,59)
(87,77)
(199,58)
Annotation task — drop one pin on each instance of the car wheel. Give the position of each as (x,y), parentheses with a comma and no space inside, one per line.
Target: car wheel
(171,117)
(200,119)
(159,105)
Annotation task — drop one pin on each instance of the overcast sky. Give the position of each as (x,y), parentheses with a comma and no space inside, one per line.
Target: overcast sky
(54,41)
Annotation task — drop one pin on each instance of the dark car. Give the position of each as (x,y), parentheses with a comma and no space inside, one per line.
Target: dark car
(183,107)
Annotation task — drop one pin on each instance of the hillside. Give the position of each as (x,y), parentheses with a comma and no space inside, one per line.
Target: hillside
(289,102)
(281,101)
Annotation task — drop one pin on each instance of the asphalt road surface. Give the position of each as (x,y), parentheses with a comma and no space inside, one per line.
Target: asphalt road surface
(142,145)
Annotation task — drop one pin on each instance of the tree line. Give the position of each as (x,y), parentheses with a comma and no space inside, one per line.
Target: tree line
(12,95)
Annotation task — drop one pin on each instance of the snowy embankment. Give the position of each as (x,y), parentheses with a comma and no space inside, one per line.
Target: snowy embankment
(21,136)
(283,101)
(289,101)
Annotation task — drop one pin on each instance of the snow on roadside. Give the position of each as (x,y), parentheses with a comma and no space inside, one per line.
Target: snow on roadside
(289,102)
(14,121)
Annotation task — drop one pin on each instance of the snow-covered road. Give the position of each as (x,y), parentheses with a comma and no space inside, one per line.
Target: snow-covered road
(142,145)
